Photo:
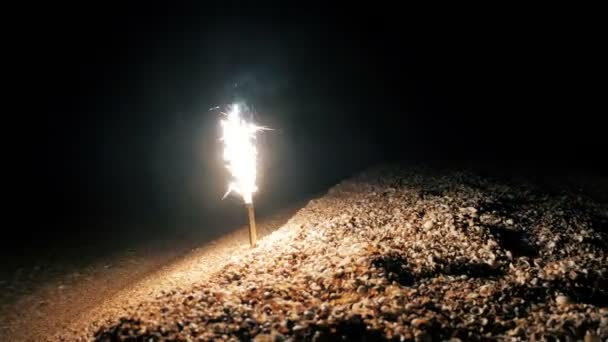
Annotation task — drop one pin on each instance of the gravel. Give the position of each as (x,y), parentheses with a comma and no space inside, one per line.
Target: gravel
(403,254)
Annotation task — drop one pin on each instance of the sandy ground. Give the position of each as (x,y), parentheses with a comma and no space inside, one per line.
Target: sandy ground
(46,301)
(402,253)
(393,253)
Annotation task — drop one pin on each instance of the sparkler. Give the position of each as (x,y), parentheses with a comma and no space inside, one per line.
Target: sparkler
(240,156)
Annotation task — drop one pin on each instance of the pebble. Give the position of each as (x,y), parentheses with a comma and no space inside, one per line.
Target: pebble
(361,289)
(591,337)
(562,300)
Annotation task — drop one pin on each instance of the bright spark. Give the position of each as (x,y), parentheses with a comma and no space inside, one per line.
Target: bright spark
(240,153)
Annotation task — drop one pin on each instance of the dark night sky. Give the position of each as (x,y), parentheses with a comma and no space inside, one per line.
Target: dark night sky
(110,115)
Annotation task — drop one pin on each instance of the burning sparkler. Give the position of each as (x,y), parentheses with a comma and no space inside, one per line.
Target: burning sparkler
(240,156)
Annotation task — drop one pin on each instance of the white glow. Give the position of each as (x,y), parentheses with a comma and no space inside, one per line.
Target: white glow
(240,153)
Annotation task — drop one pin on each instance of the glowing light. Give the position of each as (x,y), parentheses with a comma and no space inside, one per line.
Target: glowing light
(240,153)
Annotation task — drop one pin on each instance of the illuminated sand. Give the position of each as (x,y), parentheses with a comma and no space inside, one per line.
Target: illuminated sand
(403,254)
(390,254)
(71,304)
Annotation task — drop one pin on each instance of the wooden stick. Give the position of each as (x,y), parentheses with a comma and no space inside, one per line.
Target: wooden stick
(253,235)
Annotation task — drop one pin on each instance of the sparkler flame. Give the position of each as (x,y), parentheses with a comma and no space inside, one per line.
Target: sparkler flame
(240,153)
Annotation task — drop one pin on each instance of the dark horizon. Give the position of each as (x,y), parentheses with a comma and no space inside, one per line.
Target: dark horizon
(113,127)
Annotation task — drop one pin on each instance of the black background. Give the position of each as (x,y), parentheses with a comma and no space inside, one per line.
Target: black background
(108,129)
